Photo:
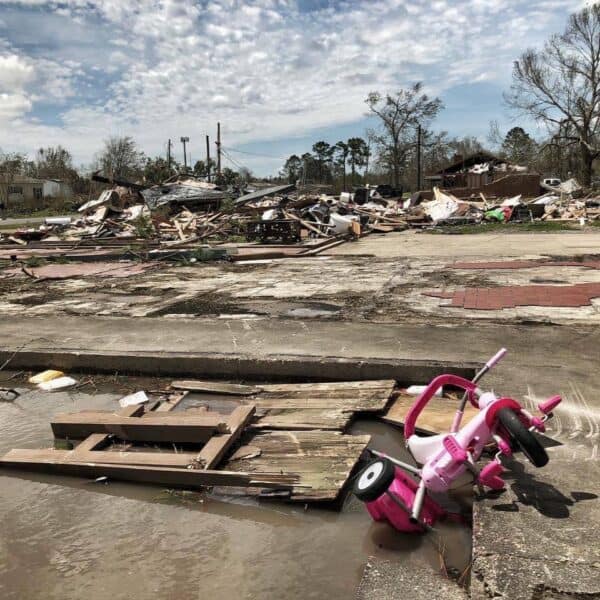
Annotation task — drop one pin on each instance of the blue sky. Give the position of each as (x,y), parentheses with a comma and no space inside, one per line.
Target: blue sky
(278,74)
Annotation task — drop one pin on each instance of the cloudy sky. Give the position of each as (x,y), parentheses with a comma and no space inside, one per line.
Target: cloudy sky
(278,74)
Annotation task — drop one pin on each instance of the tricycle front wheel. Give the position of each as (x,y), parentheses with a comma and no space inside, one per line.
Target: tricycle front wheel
(522,437)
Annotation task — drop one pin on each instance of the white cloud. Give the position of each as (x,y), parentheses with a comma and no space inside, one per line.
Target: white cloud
(264,68)
(15,73)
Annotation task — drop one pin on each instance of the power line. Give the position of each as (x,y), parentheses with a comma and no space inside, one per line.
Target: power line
(232,160)
(256,154)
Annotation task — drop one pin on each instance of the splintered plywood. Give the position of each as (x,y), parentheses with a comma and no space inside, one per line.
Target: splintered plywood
(323,460)
(436,417)
(328,406)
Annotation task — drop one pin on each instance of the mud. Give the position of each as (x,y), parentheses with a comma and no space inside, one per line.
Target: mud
(68,538)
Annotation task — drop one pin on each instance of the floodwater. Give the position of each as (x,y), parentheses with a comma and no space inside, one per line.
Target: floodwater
(67,538)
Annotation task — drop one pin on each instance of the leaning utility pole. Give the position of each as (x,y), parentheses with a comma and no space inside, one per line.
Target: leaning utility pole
(207,158)
(169,155)
(419,141)
(184,140)
(218,149)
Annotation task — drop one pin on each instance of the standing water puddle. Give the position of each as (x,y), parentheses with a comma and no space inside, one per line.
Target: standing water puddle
(65,537)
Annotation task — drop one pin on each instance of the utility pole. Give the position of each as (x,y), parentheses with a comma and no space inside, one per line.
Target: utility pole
(419,142)
(207,158)
(218,149)
(169,155)
(184,141)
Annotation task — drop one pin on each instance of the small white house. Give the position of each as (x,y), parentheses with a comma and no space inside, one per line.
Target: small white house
(55,188)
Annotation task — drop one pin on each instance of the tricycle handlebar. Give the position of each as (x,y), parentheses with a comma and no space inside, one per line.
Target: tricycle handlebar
(496,358)
(441,380)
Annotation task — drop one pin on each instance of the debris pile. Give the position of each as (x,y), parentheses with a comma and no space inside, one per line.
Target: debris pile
(187,211)
(565,203)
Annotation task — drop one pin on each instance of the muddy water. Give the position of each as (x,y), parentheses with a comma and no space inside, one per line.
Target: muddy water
(69,538)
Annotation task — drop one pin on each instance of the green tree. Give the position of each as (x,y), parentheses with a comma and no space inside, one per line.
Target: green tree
(156,170)
(323,154)
(519,147)
(559,86)
(200,168)
(310,168)
(54,162)
(292,168)
(228,177)
(121,159)
(341,157)
(357,156)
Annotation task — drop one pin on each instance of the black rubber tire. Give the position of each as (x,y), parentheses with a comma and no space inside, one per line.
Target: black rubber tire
(378,482)
(522,437)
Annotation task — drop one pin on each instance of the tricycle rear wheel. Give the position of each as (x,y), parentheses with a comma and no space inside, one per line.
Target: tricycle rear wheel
(374,480)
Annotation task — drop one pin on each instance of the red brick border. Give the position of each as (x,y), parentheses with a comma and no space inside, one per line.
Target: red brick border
(525,264)
(496,298)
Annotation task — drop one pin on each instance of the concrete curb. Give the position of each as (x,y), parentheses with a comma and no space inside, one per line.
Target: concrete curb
(220,366)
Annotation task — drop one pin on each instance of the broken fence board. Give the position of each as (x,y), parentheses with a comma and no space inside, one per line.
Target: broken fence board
(323,459)
(92,442)
(216,387)
(331,386)
(172,477)
(171,403)
(215,449)
(179,460)
(163,427)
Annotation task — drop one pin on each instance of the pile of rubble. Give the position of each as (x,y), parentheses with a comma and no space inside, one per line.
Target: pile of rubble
(188,211)
(563,203)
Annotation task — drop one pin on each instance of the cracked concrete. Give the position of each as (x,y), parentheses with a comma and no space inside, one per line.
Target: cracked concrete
(535,541)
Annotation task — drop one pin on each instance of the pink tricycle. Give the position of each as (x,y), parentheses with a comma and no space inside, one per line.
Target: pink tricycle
(391,494)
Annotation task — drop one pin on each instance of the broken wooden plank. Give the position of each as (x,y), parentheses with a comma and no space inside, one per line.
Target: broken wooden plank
(215,449)
(436,417)
(172,477)
(216,387)
(179,460)
(330,386)
(306,224)
(95,441)
(151,427)
(172,401)
(323,406)
(323,460)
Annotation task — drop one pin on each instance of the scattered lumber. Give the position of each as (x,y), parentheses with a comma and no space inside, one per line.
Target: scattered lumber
(322,460)
(152,428)
(169,476)
(217,447)
(216,387)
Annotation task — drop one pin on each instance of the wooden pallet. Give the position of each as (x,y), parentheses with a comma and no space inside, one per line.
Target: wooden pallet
(91,458)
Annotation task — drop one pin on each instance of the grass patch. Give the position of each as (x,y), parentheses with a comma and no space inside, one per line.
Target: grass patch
(51,211)
(34,261)
(536,226)
(143,227)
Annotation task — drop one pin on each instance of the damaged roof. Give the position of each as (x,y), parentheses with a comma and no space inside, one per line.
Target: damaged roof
(179,192)
(270,191)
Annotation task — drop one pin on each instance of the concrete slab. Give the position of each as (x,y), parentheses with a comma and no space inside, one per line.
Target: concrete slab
(386,580)
(523,245)
(543,349)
